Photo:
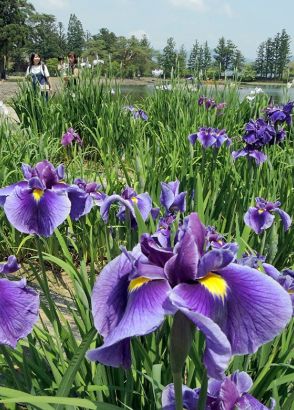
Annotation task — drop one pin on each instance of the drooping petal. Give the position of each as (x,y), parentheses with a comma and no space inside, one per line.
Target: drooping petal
(36,212)
(6,191)
(243,381)
(156,254)
(179,202)
(271,271)
(104,209)
(145,300)
(19,307)
(286,219)
(144,204)
(258,220)
(117,355)
(81,202)
(246,327)
(218,351)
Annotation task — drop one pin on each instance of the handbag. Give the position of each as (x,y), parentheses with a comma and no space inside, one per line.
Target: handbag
(44,87)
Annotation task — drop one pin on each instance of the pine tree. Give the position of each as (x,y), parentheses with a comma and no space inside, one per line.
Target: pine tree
(193,56)
(75,35)
(220,54)
(284,53)
(206,57)
(169,56)
(181,61)
(260,61)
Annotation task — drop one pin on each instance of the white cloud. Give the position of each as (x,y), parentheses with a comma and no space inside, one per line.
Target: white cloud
(51,4)
(198,5)
(228,11)
(139,34)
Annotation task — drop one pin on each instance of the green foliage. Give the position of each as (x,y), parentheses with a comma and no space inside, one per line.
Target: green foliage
(48,369)
(75,35)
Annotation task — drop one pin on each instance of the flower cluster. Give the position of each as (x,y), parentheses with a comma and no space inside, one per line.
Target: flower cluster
(260,133)
(19,306)
(208,288)
(230,393)
(210,137)
(210,103)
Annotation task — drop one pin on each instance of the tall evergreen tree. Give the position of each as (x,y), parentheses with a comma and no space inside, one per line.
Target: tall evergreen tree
(206,57)
(181,61)
(169,57)
(284,53)
(220,54)
(75,35)
(260,61)
(193,56)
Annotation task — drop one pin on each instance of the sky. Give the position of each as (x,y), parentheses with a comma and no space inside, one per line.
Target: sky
(246,22)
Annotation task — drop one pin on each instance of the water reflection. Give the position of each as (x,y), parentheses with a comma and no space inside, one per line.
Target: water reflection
(280,93)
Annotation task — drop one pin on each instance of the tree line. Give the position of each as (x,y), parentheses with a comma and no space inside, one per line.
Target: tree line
(24,30)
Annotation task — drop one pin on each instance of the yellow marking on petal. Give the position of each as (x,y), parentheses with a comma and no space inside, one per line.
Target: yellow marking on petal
(134,199)
(291,292)
(261,211)
(215,284)
(137,283)
(37,194)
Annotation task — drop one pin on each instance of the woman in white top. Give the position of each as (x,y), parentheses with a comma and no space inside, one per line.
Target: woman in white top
(39,74)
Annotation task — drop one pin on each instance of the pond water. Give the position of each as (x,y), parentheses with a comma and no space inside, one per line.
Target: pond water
(280,93)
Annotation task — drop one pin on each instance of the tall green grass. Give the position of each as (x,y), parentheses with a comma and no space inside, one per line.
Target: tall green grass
(119,150)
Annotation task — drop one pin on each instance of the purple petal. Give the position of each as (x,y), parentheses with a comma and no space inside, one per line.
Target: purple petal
(214,260)
(144,204)
(156,254)
(146,302)
(245,327)
(81,202)
(6,191)
(183,266)
(10,266)
(39,216)
(193,224)
(271,271)
(117,355)
(192,138)
(104,210)
(249,402)
(218,351)
(167,194)
(258,221)
(286,219)
(229,394)
(179,202)
(190,398)
(243,381)
(259,156)
(19,307)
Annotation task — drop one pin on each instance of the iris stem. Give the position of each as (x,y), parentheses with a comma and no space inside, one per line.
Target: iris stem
(262,243)
(177,378)
(203,392)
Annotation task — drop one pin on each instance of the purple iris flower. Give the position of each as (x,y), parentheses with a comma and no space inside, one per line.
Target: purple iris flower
(83,196)
(170,197)
(210,137)
(137,114)
(253,260)
(70,136)
(208,102)
(280,114)
(284,278)
(258,133)
(228,394)
(257,155)
(162,235)
(38,204)
(19,306)
(127,199)
(211,290)
(261,216)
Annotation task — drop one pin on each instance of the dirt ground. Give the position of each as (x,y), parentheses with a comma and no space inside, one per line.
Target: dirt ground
(9,88)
